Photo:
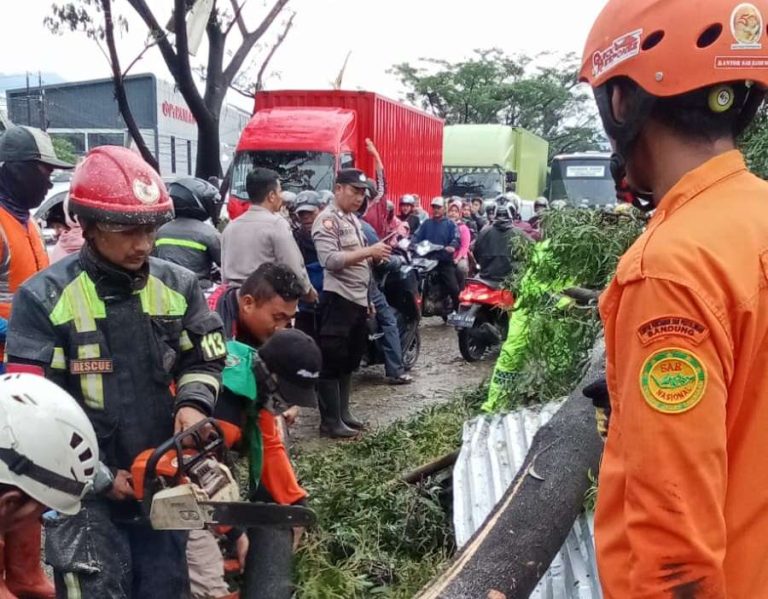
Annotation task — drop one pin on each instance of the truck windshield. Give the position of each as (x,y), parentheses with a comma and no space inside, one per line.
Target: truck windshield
(298,170)
(487,183)
(578,179)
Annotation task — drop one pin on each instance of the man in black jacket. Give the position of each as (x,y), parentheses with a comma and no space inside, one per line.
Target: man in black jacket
(493,251)
(118,329)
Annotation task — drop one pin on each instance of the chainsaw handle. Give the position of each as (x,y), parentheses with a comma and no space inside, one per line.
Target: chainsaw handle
(216,447)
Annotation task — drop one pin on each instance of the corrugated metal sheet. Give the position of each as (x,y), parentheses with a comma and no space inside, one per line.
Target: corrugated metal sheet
(493,450)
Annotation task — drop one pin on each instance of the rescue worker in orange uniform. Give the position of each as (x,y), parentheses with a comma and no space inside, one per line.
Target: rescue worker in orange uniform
(28,159)
(683,484)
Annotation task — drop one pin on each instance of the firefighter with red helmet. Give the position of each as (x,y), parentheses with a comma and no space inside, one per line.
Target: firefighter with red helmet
(683,484)
(118,329)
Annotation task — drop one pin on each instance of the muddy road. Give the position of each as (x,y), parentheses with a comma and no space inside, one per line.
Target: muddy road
(439,373)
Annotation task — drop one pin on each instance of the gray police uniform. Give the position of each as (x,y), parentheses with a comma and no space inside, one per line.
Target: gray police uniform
(343,309)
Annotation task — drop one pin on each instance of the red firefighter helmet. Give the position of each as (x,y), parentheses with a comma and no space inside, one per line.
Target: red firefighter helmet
(114,185)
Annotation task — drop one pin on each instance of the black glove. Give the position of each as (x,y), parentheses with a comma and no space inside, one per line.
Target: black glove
(598,393)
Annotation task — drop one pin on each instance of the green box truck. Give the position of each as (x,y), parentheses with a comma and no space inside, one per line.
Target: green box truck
(486,160)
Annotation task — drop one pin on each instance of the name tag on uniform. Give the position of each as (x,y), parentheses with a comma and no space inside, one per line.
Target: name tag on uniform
(92,366)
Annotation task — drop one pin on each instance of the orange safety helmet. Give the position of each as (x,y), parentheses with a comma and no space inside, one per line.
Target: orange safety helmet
(114,185)
(672,47)
(716,51)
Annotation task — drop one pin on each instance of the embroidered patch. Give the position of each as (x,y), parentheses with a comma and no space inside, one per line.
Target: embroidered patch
(213,346)
(328,224)
(92,366)
(673,380)
(666,326)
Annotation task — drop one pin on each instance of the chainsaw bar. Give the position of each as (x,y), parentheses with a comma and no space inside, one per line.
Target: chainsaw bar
(245,515)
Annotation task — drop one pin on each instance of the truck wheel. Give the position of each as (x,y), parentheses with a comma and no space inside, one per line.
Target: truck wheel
(411,353)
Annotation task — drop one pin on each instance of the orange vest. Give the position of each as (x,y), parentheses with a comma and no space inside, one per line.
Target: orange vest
(23,255)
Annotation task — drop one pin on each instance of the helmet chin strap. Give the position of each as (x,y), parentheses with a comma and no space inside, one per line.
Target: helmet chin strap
(642,200)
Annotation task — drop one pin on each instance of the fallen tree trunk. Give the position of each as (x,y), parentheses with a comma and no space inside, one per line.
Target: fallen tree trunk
(422,472)
(513,549)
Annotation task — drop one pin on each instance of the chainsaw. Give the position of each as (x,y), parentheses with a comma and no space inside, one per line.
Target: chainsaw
(185,485)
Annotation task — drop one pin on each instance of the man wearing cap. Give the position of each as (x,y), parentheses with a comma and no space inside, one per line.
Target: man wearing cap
(343,309)
(308,207)
(262,235)
(28,159)
(443,231)
(255,316)
(117,329)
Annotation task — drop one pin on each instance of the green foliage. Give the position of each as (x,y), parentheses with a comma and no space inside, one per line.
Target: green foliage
(378,536)
(754,144)
(493,88)
(583,250)
(64,149)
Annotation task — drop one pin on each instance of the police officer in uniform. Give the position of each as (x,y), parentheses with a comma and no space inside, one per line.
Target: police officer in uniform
(344,303)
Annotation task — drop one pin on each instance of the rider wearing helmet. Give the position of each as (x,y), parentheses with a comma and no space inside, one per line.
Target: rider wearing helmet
(492,251)
(189,240)
(118,330)
(408,214)
(683,484)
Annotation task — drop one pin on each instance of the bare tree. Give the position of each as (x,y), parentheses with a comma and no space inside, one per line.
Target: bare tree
(205,105)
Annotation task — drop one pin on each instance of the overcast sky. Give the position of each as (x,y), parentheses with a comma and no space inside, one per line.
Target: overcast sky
(378,33)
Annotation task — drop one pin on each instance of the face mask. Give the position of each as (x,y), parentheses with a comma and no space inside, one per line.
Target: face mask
(27,184)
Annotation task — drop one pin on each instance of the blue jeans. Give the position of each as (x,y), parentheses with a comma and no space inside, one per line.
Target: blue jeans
(390,342)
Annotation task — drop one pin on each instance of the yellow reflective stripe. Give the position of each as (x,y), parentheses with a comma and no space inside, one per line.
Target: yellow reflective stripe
(59,360)
(72,584)
(157,299)
(184,243)
(185,343)
(80,303)
(92,384)
(197,377)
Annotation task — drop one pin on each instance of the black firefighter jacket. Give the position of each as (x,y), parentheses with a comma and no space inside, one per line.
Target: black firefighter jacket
(117,341)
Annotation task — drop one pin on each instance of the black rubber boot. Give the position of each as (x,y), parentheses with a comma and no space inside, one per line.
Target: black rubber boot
(331,424)
(270,578)
(345,387)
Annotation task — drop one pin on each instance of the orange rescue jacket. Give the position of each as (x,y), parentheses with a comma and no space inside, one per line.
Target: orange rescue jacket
(23,255)
(683,493)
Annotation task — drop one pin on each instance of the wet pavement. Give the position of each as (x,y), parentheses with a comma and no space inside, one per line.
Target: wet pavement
(439,373)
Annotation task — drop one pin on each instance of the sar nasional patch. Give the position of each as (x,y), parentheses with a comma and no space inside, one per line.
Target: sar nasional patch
(673,380)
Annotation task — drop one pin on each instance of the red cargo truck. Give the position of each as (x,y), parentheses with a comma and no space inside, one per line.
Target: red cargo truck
(307,136)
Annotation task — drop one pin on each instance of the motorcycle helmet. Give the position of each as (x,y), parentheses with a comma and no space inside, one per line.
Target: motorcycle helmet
(408,200)
(501,209)
(114,186)
(195,198)
(541,202)
(326,197)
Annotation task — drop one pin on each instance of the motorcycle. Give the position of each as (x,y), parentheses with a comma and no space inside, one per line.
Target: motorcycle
(482,319)
(434,299)
(400,285)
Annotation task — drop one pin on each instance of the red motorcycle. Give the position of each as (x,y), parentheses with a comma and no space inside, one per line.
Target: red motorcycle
(482,319)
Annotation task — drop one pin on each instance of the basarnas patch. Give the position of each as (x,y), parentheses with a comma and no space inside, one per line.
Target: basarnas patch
(666,326)
(673,380)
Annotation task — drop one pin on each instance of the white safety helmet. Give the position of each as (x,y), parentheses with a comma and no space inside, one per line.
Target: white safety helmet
(48,448)
(408,200)
(438,202)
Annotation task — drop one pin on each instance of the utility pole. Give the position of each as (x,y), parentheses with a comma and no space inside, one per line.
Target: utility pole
(29,104)
(41,96)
